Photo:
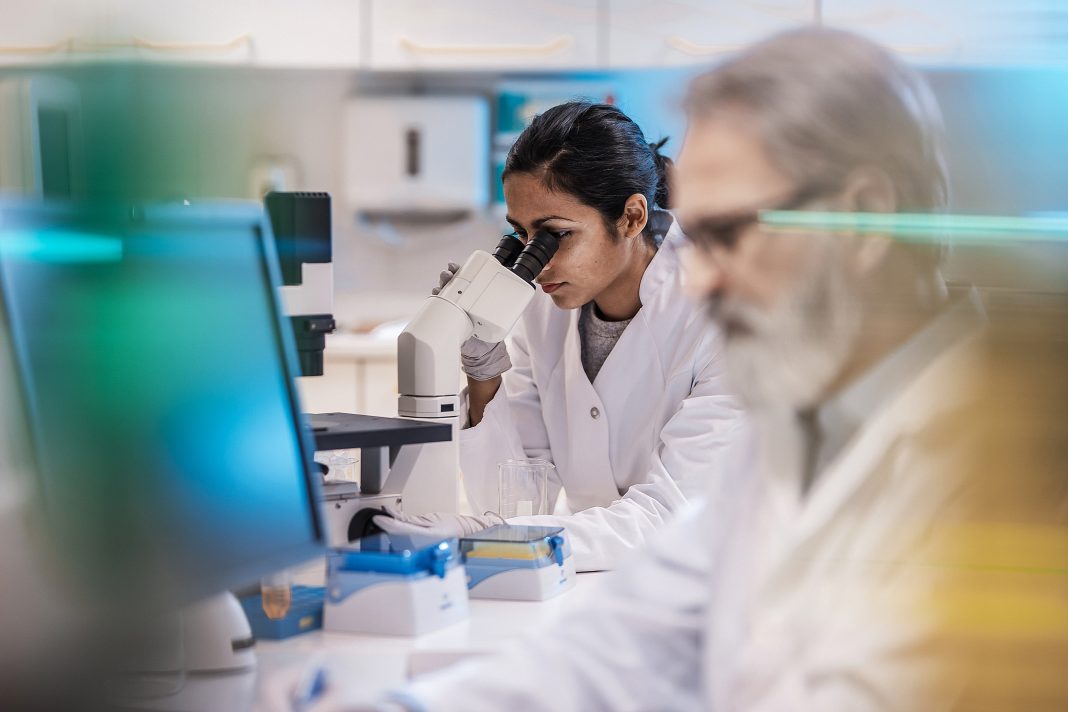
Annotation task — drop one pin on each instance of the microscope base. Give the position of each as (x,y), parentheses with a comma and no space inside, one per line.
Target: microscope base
(341,513)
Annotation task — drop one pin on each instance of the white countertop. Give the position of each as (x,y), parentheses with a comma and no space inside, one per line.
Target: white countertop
(377,663)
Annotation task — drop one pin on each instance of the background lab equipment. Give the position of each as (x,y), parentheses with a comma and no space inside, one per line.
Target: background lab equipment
(430,156)
(303,238)
(157,371)
(42,151)
(390,447)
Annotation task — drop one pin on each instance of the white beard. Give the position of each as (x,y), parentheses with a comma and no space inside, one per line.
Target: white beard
(787,356)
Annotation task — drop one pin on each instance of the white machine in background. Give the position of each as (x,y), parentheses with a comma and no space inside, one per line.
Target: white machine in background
(430,156)
(41,138)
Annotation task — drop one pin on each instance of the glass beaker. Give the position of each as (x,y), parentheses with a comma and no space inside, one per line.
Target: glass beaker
(523,486)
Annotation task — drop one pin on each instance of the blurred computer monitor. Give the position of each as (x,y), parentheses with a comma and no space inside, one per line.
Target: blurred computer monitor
(156,371)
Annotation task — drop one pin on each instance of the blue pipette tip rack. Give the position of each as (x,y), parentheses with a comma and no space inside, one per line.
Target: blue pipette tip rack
(305,614)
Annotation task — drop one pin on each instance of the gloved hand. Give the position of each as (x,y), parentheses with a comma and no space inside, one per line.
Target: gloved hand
(441,524)
(445,277)
(315,686)
(480,359)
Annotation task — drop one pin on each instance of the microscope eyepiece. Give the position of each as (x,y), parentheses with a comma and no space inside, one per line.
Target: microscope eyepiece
(535,255)
(508,250)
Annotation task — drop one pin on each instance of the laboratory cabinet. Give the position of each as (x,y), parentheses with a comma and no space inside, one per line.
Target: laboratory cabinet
(309,33)
(45,30)
(268,33)
(514,35)
(959,32)
(693,32)
(479,35)
(189,31)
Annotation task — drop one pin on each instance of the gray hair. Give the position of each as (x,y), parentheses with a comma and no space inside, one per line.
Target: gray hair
(827,102)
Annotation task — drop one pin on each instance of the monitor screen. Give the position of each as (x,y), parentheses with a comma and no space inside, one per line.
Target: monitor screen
(157,378)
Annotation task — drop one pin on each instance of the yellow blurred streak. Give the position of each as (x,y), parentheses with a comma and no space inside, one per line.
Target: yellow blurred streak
(1013,607)
(1000,603)
(1037,547)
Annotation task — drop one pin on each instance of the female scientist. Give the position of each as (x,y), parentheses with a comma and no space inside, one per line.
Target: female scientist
(610,374)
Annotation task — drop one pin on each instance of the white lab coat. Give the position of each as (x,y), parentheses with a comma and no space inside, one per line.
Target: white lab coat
(632,447)
(757,599)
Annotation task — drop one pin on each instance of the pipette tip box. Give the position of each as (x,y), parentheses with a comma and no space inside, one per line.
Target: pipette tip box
(388,584)
(519,563)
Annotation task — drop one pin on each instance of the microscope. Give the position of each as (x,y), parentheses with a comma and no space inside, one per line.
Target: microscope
(301,224)
(484,299)
(411,461)
(303,240)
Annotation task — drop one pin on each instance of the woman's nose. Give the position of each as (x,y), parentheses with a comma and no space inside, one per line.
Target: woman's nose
(549,265)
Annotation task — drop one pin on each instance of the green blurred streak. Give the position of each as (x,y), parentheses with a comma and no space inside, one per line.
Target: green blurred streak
(148,132)
(144,133)
(932,228)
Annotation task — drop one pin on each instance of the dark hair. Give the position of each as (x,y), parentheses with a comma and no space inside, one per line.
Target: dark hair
(598,154)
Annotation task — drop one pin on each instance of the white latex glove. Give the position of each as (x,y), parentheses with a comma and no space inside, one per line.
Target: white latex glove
(481,360)
(445,277)
(441,524)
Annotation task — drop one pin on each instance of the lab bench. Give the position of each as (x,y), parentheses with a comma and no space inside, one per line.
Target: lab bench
(376,663)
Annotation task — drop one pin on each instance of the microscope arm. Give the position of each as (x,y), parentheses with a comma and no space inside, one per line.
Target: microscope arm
(484,299)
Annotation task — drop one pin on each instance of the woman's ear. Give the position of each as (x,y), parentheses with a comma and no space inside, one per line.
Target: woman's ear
(635,216)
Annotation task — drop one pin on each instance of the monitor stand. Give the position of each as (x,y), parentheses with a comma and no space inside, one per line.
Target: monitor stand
(217,636)
(211,636)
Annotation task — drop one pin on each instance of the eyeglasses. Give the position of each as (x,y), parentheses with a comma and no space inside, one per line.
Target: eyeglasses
(724,230)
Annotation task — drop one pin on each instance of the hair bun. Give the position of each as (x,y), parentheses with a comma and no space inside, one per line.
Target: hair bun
(663,170)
